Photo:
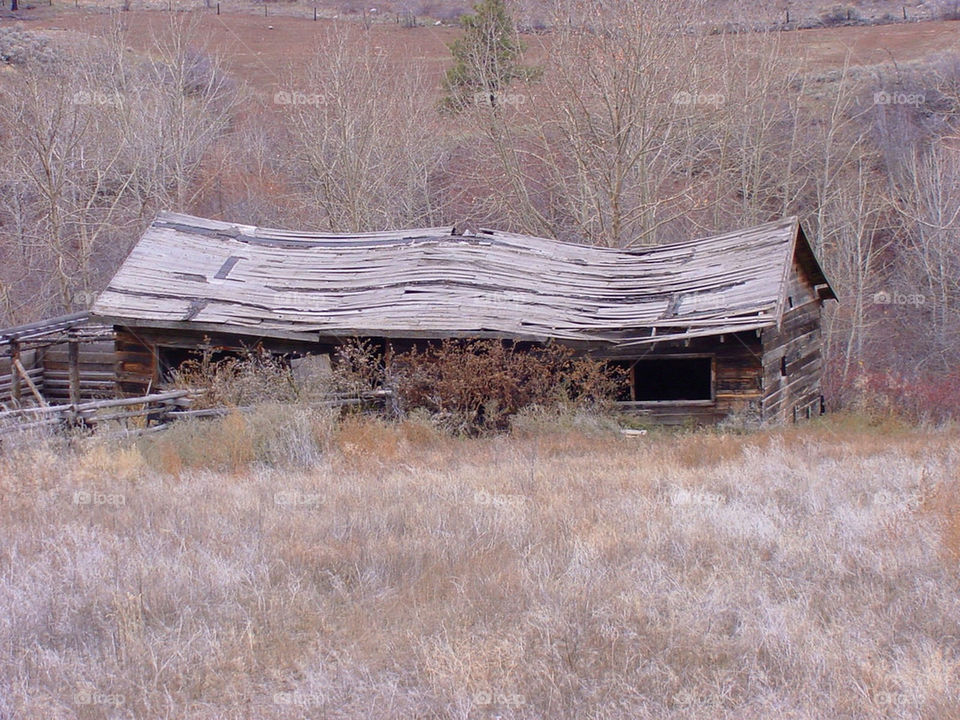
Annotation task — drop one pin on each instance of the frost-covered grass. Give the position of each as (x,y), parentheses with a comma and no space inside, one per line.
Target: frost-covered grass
(388,571)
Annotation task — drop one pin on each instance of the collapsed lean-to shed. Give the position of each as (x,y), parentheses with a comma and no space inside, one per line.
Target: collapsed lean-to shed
(706,327)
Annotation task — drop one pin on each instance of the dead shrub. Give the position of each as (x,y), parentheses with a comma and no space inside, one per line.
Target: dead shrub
(358,369)
(255,376)
(476,386)
(23,48)
(949,10)
(839,15)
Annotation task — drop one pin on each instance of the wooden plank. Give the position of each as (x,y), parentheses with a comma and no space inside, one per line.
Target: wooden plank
(14,377)
(22,371)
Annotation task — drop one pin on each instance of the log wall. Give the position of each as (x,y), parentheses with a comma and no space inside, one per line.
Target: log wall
(95,365)
(30,359)
(792,357)
(137,367)
(59,360)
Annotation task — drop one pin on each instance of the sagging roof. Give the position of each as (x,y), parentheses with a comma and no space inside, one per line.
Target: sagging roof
(206,275)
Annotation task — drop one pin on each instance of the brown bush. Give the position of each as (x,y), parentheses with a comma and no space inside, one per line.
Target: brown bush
(254,376)
(475,386)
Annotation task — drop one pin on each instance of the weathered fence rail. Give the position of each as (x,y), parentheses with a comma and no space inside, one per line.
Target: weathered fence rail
(156,409)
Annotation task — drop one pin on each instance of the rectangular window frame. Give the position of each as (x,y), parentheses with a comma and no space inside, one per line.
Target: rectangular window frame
(667,403)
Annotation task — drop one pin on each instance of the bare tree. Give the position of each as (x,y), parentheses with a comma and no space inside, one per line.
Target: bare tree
(363,137)
(605,147)
(929,206)
(90,146)
(186,102)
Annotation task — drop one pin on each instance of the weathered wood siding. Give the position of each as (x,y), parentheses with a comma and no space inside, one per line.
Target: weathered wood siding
(794,348)
(65,359)
(738,373)
(137,369)
(139,351)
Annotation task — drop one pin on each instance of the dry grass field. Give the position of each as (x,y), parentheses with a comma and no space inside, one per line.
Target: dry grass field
(287,564)
(282,565)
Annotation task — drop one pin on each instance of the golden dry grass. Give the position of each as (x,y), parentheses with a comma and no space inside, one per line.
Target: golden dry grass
(372,570)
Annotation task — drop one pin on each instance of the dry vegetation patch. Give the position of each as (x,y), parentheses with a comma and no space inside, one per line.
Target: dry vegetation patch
(397,572)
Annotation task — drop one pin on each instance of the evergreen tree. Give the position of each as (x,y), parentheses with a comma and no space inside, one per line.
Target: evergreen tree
(486,58)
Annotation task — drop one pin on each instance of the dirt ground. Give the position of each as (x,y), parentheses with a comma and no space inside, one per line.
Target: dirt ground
(259,49)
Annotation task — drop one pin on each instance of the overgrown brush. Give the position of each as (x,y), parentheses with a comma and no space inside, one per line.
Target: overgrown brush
(281,435)
(251,377)
(271,416)
(477,386)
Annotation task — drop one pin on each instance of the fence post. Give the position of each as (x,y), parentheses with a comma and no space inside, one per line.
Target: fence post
(14,375)
(73,356)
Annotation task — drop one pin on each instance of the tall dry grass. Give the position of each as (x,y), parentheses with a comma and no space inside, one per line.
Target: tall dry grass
(395,572)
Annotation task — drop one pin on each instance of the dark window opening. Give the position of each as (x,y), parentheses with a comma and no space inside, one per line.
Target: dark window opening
(170,359)
(673,378)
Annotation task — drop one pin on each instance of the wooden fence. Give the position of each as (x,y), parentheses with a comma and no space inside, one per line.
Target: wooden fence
(155,409)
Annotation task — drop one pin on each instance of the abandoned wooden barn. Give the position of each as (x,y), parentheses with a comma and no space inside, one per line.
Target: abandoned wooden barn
(706,327)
